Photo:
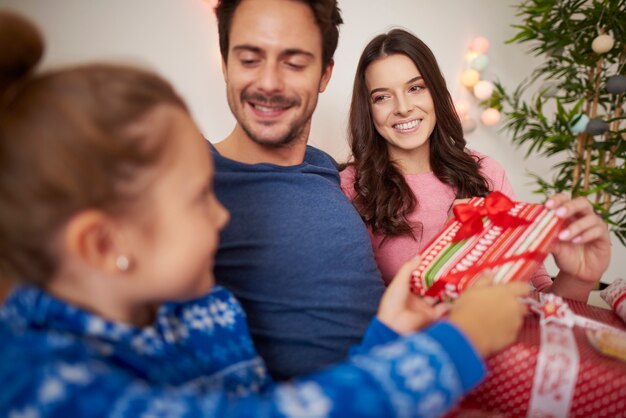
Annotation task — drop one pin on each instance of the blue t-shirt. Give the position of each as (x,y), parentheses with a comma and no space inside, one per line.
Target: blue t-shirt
(197,360)
(299,259)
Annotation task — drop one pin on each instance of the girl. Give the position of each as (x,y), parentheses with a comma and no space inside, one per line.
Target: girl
(410,165)
(109,221)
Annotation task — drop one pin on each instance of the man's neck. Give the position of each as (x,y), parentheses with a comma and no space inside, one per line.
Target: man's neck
(239,147)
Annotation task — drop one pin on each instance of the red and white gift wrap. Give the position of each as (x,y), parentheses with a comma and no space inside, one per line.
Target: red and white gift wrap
(512,238)
(615,296)
(553,371)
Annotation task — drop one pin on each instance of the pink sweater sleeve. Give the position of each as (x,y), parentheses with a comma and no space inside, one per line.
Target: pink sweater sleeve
(347,182)
(498,181)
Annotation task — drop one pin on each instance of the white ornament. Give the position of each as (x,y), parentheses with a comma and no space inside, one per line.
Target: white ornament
(602,43)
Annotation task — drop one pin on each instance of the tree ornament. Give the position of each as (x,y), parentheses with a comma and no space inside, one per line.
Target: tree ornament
(597,126)
(616,84)
(490,116)
(470,77)
(479,62)
(603,43)
(469,125)
(483,90)
(480,45)
(579,123)
(590,83)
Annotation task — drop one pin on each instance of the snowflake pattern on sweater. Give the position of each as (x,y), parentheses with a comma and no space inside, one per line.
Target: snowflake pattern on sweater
(197,359)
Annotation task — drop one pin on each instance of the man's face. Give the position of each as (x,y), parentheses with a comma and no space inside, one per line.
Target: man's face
(274,72)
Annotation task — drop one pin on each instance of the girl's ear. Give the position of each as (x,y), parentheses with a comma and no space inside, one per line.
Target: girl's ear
(93,237)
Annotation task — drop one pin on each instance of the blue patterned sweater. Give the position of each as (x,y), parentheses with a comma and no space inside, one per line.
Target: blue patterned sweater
(197,360)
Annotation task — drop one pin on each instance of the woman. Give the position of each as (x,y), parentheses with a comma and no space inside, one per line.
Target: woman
(411,165)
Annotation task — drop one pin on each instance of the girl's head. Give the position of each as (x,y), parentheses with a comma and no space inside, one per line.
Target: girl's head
(397,81)
(402,120)
(102,170)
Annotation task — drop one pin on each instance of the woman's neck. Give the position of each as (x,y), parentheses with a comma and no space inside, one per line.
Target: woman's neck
(413,161)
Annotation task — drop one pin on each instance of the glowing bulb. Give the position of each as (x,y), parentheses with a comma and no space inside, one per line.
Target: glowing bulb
(470,56)
(490,116)
(483,90)
(480,62)
(462,107)
(470,77)
(480,45)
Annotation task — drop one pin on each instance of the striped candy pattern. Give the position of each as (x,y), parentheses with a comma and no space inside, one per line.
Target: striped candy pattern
(447,268)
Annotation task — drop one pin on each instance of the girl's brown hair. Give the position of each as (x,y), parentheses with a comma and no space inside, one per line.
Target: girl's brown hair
(66,145)
(383,197)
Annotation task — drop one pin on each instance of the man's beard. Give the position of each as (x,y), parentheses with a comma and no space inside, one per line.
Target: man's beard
(295,131)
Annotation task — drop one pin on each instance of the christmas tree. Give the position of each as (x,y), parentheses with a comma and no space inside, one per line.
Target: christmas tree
(572,105)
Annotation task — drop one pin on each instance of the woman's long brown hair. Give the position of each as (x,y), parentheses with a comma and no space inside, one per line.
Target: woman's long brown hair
(383,197)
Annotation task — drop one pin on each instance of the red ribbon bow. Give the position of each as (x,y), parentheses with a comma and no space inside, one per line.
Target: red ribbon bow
(496,207)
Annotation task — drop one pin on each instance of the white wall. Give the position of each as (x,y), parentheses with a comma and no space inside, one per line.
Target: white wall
(178,38)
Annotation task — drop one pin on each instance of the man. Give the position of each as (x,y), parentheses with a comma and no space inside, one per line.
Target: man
(295,253)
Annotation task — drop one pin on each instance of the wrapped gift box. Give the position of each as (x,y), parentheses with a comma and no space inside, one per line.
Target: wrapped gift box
(511,238)
(597,390)
(615,296)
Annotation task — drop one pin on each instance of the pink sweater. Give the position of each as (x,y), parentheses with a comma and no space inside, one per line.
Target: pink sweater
(434,200)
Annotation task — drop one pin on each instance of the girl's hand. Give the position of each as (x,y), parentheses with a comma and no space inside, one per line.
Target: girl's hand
(490,316)
(402,310)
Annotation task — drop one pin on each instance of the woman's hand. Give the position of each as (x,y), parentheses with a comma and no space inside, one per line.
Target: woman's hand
(583,249)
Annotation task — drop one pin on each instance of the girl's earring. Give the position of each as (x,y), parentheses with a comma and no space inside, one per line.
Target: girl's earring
(122,262)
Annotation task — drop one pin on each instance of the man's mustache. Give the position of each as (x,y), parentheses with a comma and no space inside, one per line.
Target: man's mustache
(270,101)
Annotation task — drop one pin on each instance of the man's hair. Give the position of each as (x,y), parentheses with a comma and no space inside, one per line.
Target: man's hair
(327,16)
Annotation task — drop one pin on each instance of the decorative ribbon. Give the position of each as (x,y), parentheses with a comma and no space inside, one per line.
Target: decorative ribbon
(557,361)
(553,309)
(496,207)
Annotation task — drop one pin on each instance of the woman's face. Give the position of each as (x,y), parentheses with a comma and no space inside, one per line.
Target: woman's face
(402,108)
